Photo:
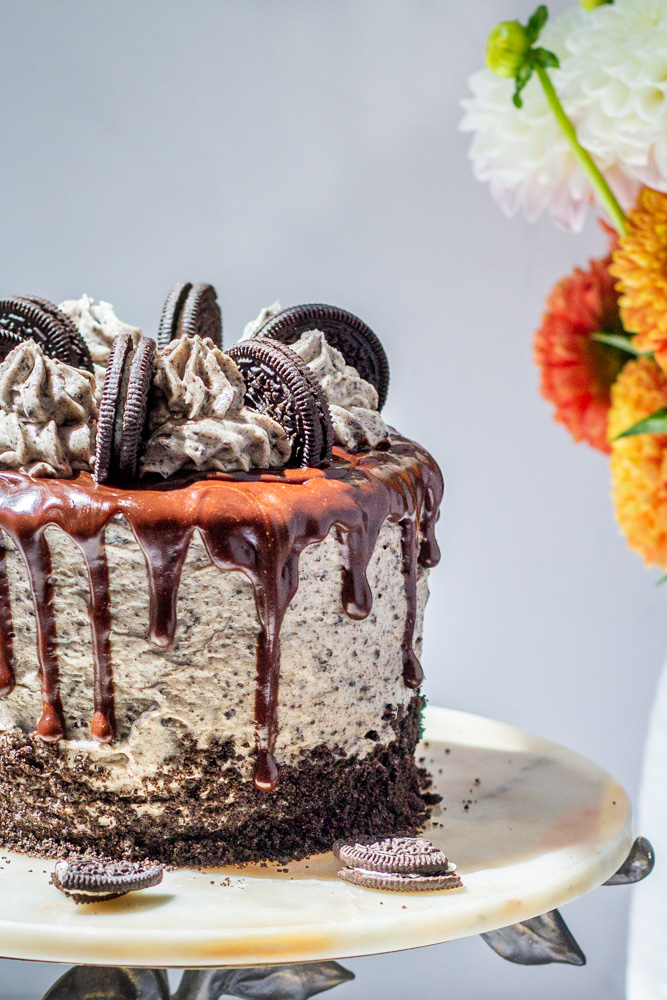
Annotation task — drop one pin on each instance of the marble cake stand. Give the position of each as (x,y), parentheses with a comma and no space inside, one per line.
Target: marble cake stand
(530,825)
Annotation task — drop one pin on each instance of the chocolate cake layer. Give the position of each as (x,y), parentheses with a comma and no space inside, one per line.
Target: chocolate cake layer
(202,811)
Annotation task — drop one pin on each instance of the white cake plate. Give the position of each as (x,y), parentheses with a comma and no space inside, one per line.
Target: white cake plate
(530,825)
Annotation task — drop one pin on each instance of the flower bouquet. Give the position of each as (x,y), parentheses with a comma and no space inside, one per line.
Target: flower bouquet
(571,113)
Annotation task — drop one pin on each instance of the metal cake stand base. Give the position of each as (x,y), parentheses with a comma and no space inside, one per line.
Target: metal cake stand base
(530,825)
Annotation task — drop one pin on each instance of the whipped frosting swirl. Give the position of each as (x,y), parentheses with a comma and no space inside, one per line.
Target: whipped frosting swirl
(197,419)
(254,325)
(47,414)
(352,400)
(99,326)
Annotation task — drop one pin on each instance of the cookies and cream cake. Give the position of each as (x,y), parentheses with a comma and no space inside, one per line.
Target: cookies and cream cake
(213,574)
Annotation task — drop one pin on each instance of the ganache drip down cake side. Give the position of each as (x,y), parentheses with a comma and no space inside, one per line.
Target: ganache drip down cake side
(213,575)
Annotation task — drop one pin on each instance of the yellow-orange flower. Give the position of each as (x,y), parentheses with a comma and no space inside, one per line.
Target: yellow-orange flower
(640,264)
(639,464)
(576,371)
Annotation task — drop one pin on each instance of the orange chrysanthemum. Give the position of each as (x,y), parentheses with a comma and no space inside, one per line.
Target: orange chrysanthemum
(639,464)
(640,264)
(578,372)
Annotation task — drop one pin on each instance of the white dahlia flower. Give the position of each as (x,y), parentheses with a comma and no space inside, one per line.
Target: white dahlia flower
(522,152)
(614,82)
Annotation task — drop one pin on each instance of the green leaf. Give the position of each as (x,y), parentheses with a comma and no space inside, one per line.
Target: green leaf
(659,583)
(521,79)
(537,22)
(545,58)
(656,423)
(621,340)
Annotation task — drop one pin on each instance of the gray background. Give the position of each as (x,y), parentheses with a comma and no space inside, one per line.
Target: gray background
(309,151)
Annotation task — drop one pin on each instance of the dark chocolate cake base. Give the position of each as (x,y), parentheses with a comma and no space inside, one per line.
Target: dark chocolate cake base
(201,811)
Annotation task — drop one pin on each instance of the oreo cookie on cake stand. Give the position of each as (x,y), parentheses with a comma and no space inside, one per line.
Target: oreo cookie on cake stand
(190,309)
(395,864)
(343,330)
(89,880)
(28,317)
(280,385)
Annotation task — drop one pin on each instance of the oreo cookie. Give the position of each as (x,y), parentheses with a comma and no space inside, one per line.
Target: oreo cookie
(392,882)
(410,855)
(79,347)
(405,864)
(24,317)
(192,310)
(89,880)
(122,415)
(279,384)
(347,333)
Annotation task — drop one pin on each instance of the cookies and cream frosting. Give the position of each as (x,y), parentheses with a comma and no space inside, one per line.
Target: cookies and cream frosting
(99,326)
(196,414)
(47,414)
(197,419)
(352,400)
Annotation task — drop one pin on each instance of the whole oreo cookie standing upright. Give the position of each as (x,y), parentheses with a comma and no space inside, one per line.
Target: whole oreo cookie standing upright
(191,309)
(279,384)
(89,880)
(24,317)
(80,348)
(346,332)
(122,415)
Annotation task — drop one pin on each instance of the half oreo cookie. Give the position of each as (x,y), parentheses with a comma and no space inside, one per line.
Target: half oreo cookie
(279,384)
(27,317)
(392,882)
(397,864)
(91,881)
(344,331)
(401,855)
(193,310)
(122,416)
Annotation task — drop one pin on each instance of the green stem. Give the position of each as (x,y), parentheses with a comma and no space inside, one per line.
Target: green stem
(599,184)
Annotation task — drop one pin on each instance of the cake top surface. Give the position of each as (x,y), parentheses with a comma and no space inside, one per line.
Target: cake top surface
(82,390)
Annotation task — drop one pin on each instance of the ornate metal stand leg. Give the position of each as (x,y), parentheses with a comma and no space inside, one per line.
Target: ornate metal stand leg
(546,939)
(95,982)
(537,941)
(267,982)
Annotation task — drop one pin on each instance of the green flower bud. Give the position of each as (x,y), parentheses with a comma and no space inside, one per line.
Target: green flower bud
(507,48)
(592,4)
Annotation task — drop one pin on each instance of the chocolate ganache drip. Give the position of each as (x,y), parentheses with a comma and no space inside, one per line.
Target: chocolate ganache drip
(254,523)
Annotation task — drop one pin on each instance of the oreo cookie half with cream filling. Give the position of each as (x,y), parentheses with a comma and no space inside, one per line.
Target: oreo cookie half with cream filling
(403,864)
(394,882)
(343,330)
(279,384)
(89,880)
(401,855)
(191,309)
(120,426)
(30,318)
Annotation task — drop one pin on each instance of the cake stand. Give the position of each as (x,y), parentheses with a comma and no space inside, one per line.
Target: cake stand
(530,825)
